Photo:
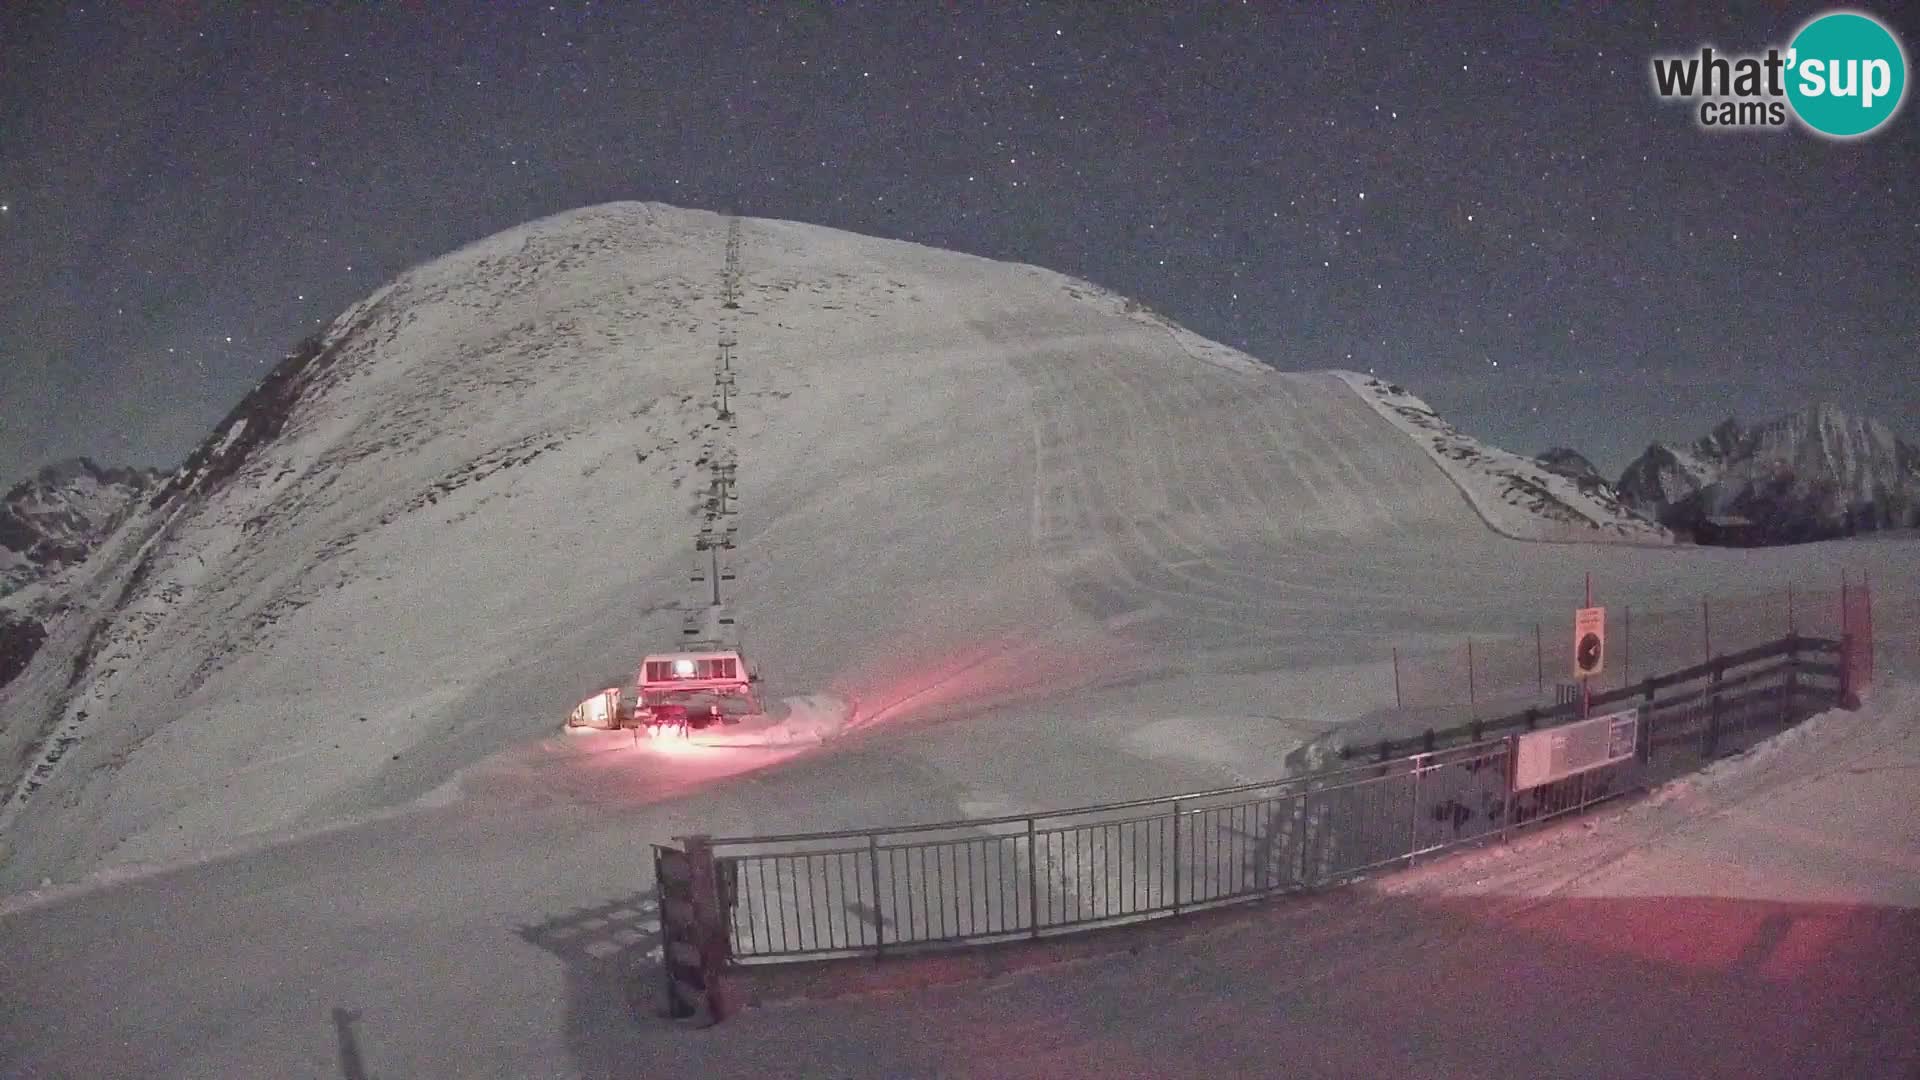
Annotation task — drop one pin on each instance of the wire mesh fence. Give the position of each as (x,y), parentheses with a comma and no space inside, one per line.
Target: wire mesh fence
(1485,676)
(1724,683)
(874,891)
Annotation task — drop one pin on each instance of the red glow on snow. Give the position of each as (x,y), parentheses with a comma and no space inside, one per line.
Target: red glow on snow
(1809,939)
(675,745)
(1700,935)
(974,676)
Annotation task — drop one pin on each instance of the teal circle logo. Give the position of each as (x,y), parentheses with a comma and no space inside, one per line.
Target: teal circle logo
(1846,74)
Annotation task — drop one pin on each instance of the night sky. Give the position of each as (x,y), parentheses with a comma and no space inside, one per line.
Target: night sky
(1491,207)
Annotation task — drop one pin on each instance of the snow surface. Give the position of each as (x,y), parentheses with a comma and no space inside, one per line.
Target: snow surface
(1762,920)
(1759,920)
(1058,552)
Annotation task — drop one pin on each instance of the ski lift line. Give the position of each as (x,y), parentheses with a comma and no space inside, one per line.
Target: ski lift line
(715,535)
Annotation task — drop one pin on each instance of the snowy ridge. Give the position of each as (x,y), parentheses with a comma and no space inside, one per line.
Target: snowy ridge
(1202,349)
(1518,496)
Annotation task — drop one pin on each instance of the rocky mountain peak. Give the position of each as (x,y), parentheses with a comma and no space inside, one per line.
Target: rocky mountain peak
(1814,473)
(53,519)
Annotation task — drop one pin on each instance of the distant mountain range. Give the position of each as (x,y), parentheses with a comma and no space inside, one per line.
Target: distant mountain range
(53,520)
(1815,474)
(1574,466)
(49,523)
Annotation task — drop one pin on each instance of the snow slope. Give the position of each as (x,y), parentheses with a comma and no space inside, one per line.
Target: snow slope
(1759,920)
(954,471)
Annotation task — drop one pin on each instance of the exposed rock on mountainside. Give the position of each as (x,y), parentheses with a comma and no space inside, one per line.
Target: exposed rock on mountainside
(49,524)
(52,520)
(1518,496)
(1573,465)
(1810,475)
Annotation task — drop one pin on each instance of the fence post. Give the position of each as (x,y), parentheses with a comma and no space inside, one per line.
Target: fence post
(1789,693)
(694,942)
(1647,720)
(1539,662)
(1413,818)
(1790,626)
(1306,827)
(1846,645)
(873,874)
(1626,659)
(1473,704)
(1176,856)
(1397,703)
(1713,709)
(1706,631)
(1513,766)
(1033,883)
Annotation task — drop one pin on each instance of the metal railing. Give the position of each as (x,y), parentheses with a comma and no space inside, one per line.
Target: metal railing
(1026,876)
(1490,674)
(1723,678)
(878,891)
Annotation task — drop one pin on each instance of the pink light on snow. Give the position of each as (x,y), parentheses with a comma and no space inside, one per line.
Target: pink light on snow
(975,676)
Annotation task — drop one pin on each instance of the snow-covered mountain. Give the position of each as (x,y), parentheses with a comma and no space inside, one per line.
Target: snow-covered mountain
(1573,465)
(53,520)
(1523,497)
(49,524)
(1816,473)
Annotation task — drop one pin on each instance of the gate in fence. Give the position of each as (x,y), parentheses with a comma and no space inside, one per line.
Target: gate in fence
(878,891)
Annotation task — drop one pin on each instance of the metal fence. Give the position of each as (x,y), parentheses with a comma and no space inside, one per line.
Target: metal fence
(1001,878)
(1719,697)
(870,892)
(1487,675)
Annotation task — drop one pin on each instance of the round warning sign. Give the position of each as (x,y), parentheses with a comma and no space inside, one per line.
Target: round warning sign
(1589,654)
(1589,642)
